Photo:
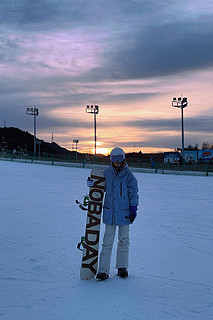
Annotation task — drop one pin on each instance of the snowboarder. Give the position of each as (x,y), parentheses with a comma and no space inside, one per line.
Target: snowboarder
(120,209)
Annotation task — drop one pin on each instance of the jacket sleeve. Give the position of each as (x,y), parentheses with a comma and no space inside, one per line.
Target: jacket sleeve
(133,190)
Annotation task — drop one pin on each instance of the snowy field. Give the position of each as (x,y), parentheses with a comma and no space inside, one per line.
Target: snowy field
(171,256)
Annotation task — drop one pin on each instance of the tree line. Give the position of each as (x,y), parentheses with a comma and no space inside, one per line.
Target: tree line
(205,146)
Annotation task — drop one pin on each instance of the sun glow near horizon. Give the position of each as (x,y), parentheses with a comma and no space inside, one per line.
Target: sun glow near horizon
(106,151)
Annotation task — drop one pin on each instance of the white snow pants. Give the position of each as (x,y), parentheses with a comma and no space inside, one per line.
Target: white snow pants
(122,248)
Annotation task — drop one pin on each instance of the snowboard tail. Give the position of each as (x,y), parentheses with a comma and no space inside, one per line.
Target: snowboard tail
(91,240)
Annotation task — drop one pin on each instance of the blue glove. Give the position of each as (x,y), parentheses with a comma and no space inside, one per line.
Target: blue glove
(133,213)
(90,182)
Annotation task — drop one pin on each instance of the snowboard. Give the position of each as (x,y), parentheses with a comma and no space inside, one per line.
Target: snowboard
(89,263)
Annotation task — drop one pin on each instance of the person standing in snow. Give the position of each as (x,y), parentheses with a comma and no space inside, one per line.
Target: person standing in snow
(119,210)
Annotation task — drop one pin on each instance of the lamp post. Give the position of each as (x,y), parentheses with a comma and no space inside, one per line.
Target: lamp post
(93,109)
(38,142)
(33,112)
(76,144)
(181,103)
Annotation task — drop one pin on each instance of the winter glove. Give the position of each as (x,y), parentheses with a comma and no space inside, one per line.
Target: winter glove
(90,182)
(133,213)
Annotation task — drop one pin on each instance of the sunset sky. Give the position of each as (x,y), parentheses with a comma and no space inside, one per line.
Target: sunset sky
(128,57)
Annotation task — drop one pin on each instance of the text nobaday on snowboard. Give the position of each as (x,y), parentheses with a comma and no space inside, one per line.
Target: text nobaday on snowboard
(91,241)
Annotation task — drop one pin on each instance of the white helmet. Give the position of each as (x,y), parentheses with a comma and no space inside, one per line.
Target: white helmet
(117,154)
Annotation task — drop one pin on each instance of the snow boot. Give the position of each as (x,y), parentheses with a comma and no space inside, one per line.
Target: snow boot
(122,272)
(102,276)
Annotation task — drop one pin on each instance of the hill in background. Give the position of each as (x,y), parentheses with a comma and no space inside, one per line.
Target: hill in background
(24,141)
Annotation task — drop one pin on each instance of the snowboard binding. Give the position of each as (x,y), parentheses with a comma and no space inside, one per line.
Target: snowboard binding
(81,243)
(83,205)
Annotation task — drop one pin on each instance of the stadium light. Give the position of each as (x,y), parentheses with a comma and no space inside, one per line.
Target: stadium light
(95,110)
(76,144)
(181,103)
(33,112)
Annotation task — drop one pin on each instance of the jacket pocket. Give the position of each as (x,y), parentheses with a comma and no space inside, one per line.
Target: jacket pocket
(124,204)
(106,207)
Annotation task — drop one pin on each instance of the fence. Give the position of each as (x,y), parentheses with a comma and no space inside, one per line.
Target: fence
(137,165)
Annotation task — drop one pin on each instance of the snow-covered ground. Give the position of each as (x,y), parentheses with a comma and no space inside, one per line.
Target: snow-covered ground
(171,256)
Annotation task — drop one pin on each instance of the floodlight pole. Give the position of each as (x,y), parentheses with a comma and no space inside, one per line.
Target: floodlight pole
(93,109)
(76,146)
(38,142)
(181,103)
(182,127)
(33,112)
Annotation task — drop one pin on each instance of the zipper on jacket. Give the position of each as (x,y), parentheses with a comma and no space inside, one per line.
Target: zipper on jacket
(121,189)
